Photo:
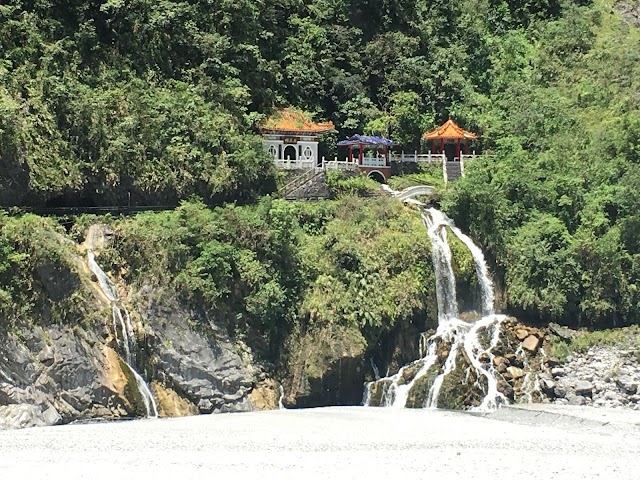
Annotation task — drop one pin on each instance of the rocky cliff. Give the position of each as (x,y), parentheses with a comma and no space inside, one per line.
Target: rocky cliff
(51,374)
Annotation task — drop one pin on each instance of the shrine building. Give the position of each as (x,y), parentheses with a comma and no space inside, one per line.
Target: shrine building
(451,140)
(291,138)
(372,157)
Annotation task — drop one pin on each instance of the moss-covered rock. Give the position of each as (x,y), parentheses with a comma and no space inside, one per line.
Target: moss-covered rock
(461,389)
(420,389)
(378,393)
(326,368)
(410,372)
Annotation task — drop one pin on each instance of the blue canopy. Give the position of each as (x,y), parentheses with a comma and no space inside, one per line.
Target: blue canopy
(367,140)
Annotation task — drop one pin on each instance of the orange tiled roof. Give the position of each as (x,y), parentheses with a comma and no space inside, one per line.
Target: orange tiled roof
(295,121)
(449,131)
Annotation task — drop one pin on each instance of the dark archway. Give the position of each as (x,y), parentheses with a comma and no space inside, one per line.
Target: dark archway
(377,176)
(450,152)
(290,152)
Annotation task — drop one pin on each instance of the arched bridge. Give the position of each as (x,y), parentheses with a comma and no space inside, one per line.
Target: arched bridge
(411,192)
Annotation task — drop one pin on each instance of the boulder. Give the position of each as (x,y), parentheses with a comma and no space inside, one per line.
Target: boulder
(576,400)
(564,333)
(25,415)
(511,358)
(547,385)
(557,372)
(627,384)
(505,389)
(501,364)
(531,343)
(521,334)
(583,388)
(497,360)
(515,372)
(559,391)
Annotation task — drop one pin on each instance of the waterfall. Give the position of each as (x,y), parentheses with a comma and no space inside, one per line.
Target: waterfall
(463,338)
(280,404)
(123,332)
(482,270)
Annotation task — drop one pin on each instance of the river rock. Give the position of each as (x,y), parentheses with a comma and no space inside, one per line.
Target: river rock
(515,372)
(559,391)
(557,372)
(521,334)
(628,384)
(576,400)
(547,385)
(531,343)
(564,333)
(583,388)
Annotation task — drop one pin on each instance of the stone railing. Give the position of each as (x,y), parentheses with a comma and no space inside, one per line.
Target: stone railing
(336,164)
(374,162)
(416,157)
(295,164)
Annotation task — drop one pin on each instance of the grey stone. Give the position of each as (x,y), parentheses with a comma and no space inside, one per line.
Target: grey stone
(627,384)
(563,332)
(576,400)
(207,370)
(547,386)
(557,371)
(559,391)
(584,388)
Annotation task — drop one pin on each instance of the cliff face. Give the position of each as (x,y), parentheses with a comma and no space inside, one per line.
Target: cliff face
(59,374)
(51,374)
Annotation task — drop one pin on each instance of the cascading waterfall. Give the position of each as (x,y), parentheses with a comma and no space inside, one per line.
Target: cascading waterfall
(123,332)
(280,404)
(464,339)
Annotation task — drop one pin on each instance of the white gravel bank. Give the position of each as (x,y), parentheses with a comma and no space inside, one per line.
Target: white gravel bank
(357,442)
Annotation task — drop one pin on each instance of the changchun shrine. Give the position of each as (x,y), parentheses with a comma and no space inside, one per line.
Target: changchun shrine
(291,138)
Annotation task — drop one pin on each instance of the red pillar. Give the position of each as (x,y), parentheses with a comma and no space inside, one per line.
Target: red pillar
(458,150)
(386,156)
(442,145)
(350,154)
(361,153)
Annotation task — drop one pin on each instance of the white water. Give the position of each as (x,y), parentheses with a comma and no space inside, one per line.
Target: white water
(123,332)
(6,376)
(458,334)
(280,404)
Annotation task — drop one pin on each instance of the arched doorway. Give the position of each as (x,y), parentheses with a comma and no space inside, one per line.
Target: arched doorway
(377,176)
(289,152)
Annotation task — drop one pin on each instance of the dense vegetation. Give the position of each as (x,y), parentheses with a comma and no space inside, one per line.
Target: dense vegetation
(267,269)
(153,102)
(262,271)
(557,204)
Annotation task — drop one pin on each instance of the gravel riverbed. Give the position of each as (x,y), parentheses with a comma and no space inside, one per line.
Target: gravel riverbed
(337,442)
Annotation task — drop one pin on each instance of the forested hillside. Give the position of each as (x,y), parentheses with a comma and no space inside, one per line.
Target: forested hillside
(557,205)
(147,102)
(99,100)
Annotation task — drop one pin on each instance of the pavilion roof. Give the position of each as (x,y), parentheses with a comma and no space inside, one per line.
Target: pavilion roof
(450,130)
(291,120)
(367,140)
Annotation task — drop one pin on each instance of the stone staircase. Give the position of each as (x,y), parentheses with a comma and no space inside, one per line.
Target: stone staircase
(454,171)
(310,185)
